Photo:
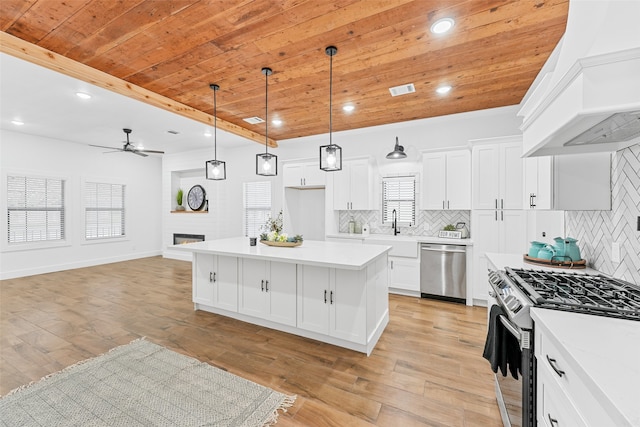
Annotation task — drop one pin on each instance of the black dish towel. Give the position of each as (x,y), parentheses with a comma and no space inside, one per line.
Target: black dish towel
(502,349)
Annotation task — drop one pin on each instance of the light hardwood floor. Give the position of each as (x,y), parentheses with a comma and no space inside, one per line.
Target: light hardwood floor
(427,368)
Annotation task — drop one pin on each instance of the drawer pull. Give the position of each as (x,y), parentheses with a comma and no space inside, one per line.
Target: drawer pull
(552,363)
(552,421)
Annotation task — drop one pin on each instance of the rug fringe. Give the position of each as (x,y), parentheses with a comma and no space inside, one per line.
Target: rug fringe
(53,374)
(286,403)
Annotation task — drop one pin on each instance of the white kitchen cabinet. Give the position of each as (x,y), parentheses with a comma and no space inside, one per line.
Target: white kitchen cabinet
(268,290)
(497,175)
(568,182)
(499,231)
(353,186)
(333,302)
(215,281)
(404,275)
(538,189)
(446,180)
(303,175)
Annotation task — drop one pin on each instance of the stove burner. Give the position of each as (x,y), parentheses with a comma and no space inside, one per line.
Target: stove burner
(590,294)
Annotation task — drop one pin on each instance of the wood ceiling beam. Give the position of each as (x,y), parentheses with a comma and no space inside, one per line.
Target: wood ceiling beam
(30,52)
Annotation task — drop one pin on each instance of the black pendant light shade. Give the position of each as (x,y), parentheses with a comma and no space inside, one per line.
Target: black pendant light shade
(266,164)
(398,152)
(330,155)
(215,169)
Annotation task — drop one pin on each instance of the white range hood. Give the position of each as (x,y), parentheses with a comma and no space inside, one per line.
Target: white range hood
(587,96)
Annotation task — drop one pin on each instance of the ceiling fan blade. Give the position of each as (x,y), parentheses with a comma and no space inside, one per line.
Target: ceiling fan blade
(104,146)
(151,151)
(137,152)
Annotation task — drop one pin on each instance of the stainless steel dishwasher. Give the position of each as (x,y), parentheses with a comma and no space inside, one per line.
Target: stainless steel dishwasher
(443,272)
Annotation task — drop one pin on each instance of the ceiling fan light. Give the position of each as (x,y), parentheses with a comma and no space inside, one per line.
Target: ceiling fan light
(398,152)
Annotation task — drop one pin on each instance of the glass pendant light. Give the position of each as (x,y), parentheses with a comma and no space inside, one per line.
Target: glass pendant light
(266,164)
(398,151)
(330,155)
(215,169)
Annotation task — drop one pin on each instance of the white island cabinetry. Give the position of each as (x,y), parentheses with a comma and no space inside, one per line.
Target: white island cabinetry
(332,292)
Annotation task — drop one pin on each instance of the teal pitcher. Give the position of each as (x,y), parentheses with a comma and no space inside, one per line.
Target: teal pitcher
(559,247)
(571,249)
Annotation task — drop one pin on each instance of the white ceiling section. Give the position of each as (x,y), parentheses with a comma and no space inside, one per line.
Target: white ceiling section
(46,102)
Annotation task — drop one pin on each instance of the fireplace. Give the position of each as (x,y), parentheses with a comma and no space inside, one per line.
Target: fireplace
(181,239)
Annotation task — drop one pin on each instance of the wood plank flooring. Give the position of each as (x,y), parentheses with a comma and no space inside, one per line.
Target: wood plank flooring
(427,369)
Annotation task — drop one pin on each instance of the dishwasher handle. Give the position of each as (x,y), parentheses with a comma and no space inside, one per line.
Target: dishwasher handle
(449,249)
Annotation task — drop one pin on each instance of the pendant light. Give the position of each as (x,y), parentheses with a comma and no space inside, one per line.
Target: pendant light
(215,169)
(330,155)
(398,151)
(266,164)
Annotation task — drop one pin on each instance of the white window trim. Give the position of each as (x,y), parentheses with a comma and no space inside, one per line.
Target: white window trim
(5,246)
(415,178)
(102,240)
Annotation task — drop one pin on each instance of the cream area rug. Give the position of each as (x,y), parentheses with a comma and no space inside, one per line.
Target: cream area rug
(142,384)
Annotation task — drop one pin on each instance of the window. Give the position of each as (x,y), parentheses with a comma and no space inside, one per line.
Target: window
(257,206)
(399,193)
(35,209)
(103,210)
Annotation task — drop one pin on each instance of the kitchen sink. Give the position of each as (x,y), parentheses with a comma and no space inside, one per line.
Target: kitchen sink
(400,246)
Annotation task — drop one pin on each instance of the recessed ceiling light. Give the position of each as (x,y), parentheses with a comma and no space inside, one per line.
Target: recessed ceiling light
(441,26)
(83,95)
(443,89)
(276,122)
(348,108)
(17,122)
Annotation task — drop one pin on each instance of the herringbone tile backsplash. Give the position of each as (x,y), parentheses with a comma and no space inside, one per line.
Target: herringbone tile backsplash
(428,223)
(596,231)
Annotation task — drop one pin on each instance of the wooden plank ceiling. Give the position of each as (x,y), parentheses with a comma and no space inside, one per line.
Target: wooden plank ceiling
(176,48)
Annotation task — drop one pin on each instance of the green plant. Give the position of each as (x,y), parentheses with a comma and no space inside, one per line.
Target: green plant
(449,227)
(179,196)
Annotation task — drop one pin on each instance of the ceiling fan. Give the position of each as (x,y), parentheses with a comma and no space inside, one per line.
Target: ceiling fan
(128,147)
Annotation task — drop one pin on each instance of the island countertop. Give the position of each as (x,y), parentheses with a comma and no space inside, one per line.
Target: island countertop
(311,252)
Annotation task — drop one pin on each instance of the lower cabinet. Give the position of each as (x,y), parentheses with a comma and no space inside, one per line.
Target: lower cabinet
(404,274)
(333,302)
(216,281)
(268,290)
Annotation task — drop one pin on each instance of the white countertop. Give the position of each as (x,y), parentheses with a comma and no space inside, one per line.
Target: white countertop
(501,261)
(311,252)
(607,352)
(417,239)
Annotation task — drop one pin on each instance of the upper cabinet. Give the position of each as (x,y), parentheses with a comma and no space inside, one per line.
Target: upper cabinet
(568,182)
(303,175)
(446,180)
(353,186)
(497,174)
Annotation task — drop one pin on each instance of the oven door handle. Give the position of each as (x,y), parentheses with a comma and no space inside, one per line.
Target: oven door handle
(514,331)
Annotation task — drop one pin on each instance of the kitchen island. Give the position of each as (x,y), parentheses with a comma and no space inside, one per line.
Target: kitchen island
(331,292)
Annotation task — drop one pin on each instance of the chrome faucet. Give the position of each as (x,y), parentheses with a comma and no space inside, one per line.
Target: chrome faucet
(394,221)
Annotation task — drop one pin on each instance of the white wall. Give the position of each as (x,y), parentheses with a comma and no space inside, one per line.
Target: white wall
(28,154)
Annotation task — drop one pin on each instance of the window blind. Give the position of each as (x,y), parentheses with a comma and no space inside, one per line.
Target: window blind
(35,209)
(399,193)
(104,210)
(257,206)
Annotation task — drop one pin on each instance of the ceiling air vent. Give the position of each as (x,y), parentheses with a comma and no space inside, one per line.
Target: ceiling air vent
(402,89)
(253,120)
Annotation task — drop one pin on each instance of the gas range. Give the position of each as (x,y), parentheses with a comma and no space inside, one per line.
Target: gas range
(520,289)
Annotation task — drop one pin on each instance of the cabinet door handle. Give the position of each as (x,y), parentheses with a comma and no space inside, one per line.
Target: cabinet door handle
(325,296)
(552,421)
(496,203)
(496,215)
(552,363)
(266,285)
(214,277)
(448,204)
(211,276)
(501,215)
(331,297)
(533,200)
(392,265)
(262,285)
(443,204)
(501,203)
